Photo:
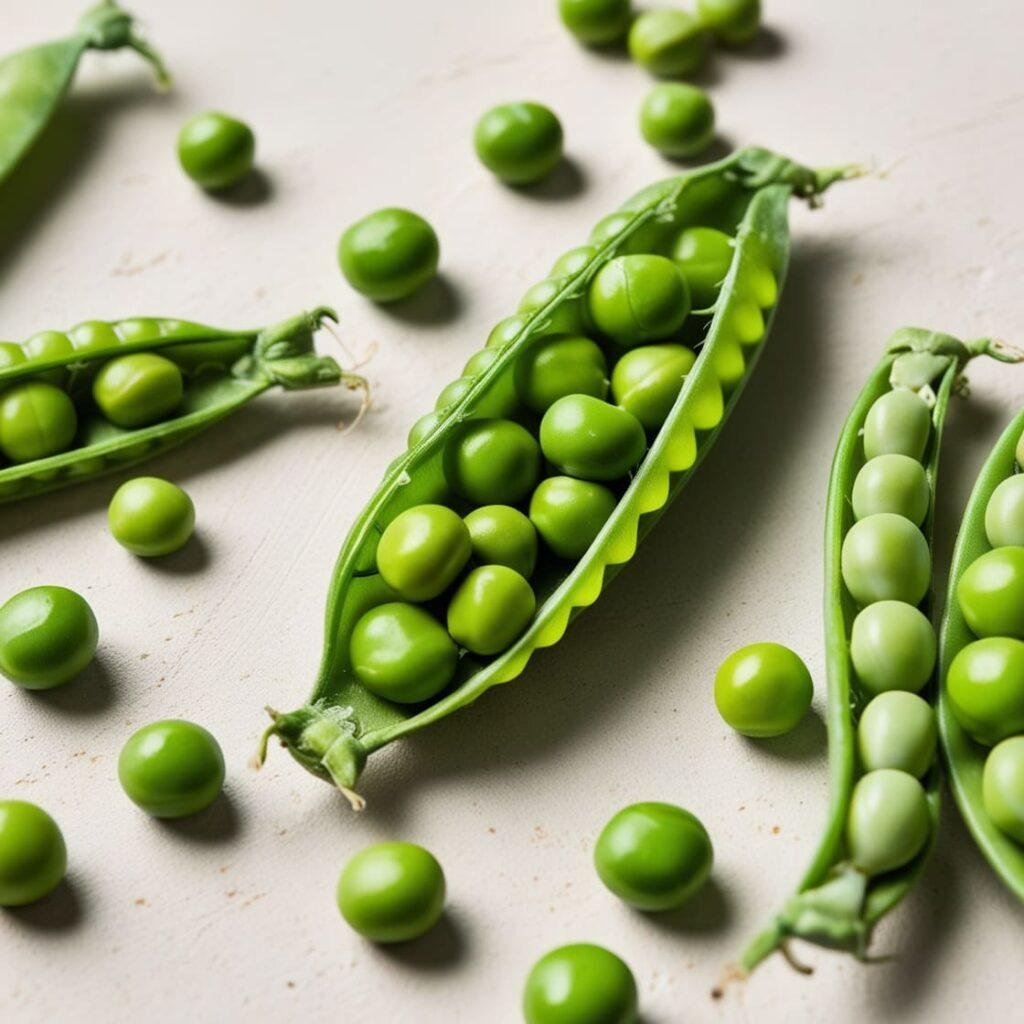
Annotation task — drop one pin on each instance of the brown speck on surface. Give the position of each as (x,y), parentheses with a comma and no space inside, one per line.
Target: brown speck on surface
(142,902)
(223,869)
(232,893)
(95,759)
(290,984)
(717,992)
(858,278)
(252,899)
(492,831)
(144,656)
(282,831)
(129,267)
(742,807)
(776,830)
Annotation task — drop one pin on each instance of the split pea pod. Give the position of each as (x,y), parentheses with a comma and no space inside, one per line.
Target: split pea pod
(34,81)
(881,649)
(526,489)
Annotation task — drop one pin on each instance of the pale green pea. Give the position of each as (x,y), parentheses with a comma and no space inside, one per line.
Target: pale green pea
(888,822)
(897,730)
(892,483)
(885,557)
(892,647)
(899,422)
(1003,787)
(1004,514)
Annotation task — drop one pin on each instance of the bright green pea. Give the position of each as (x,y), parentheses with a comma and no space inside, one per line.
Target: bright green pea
(491,607)
(391,892)
(763,690)
(171,768)
(646,381)
(37,420)
(897,730)
(559,365)
(704,255)
(653,856)
(492,462)
(888,823)
(734,22)
(480,361)
(985,690)
(885,557)
(590,439)
(636,299)
(423,426)
(1019,451)
(151,517)
(1004,514)
(570,513)
(402,653)
(580,984)
(216,151)
(520,143)
(138,389)
(137,329)
(758,280)
(677,119)
(897,423)
(572,262)
(11,354)
(33,857)
(422,550)
(892,647)
(596,22)
(668,41)
(92,336)
(991,593)
(453,393)
(502,535)
(504,332)
(47,345)
(389,254)
(1002,787)
(892,483)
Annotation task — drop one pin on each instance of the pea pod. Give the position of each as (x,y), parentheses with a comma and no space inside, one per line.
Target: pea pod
(34,81)
(745,195)
(965,758)
(880,823)
(219,370)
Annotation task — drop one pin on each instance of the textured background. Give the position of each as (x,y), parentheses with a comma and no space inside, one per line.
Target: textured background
(231,917)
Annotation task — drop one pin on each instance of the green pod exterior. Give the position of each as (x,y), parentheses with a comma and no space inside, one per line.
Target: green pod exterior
(965,759)
(747,194)
(222,369)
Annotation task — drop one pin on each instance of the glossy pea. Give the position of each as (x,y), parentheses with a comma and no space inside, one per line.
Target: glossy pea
(590,439)
(151,517)
(991,593)
(892,647)
(1002,787)
(490,609)
(668,41)
(580,984)
(1004,513)
(37,420)
(11,354)
(506,331)
(136,329)
(596,22)
(216,150)
(572,262)
(453,393)
(47,345)
(422,550)
(1018,452)
(734,22)
(520,143)
(646,381)
(570,513)
(92,336)
(985,691)
(422,427)
(559,365)
(763,689)
(502,535)
(480,361)
(33,857)
(885,557)
(704,255)
(637,299)
(492,462)
(677,119)
(897,730)
(892,483)
(888,824)
(138,390)
(897,423)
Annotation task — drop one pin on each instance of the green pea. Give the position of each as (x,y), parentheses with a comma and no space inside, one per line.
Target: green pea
(37,420)
(1018,452)
(892,647)
(389,254)
(506,331)
(139,328)
(422,550)
(558,365)
(10,354)
(646,381)
(1002,787)
(490,609)
(92,336)
(580,984)
(677,119)
(734,22)
(33,857)
(897,423)
(1004,514)
(668,41)
(636,299)
(480,361)
(897,730)
(888,824)
(704,255)
(991,593)
(492,462)
(502,535)
(138,389)
(151,517)
(596,22)
(570,263)
(453,393)
(757,280)
(763,690)
(892,483)
(216,151)
(391,892)
(402,653)
(590,439)
(520,143)
(885,557)
(47,345)
(570,513)
(423,426)
(171,768)
(653,856)
(984,689)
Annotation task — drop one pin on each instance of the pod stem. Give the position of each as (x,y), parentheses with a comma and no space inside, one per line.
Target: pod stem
(109,27)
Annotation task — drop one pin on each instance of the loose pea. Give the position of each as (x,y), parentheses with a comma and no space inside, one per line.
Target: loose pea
(570,513)
(897,730)
(590,439)
(892,483)
(635,299)
(423,426)
(653,856)
(33,857)
(595,22)
(422,550)
(453,393)
(389,254)
(885,557)
(48,345)
(580,984)
(572,262)
(502,535)
(991,593)
(520,143)
(138,389)
(763,690)
(1002,787)
(985,691)
(559,365)
(897,423)
(893,647)
(734,22)
(668,41)
(1004,514)
(480,361)
(92,336)
(677,119)
(492,462)
(151,517)
(391,892)
(171,768)
(37,420)
(491,607)
(704,256)
(11,354)
(646,381)
(888,824)
(216,151)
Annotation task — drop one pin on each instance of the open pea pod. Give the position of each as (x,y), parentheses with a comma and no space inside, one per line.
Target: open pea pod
(33,81)
(214,371)
(965,758)
(878,560)
(744,196)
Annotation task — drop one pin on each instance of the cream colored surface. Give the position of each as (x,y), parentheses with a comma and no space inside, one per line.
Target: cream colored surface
(231,917)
